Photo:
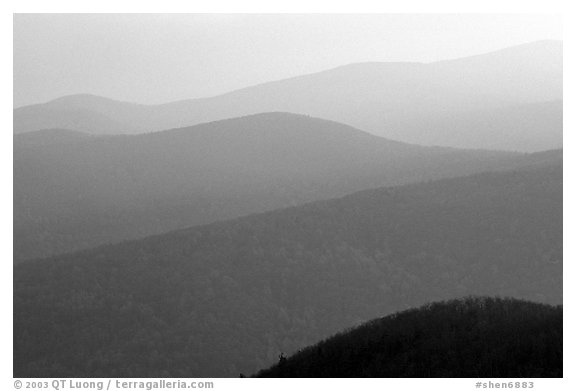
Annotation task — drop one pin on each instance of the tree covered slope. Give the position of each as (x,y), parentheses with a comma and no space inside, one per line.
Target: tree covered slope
(227,298)
(472,337)
(74,191)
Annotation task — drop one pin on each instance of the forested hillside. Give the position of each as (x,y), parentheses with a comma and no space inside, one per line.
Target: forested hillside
(473,337)
(73,191)
(227,298)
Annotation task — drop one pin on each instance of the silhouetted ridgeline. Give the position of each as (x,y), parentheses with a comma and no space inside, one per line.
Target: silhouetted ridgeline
(473,337)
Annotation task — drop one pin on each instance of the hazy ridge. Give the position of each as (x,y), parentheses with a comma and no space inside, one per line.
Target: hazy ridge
(394,100)
(73,191)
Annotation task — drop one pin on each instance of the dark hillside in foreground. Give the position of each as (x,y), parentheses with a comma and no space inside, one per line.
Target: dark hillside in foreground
(474,337)
(227,298)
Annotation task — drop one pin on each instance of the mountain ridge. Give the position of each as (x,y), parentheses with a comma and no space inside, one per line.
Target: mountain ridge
(471,337)
(381,98)
(73,97)
(525,162)
(110,188)
(239,292)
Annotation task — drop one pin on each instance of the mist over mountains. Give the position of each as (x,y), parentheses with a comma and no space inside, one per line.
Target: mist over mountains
(393,100)
(211,237)
(226,298)
(73,191)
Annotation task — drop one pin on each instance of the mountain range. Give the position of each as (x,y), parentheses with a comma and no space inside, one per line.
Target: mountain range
(73,190)
(365,220)
(229,297)
(473,102)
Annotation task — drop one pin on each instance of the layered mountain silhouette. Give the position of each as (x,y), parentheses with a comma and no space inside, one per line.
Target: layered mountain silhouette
(73,190)
(475,337)
(229,297)
(431,104)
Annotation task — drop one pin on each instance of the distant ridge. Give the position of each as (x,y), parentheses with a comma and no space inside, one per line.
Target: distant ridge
(396,100)
(112,188)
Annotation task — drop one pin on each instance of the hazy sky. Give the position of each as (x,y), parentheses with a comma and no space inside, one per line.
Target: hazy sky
(157,58)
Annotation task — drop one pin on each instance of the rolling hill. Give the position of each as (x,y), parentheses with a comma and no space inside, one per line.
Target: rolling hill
(393,100)
(228,297)
(474,337)
(74,191)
